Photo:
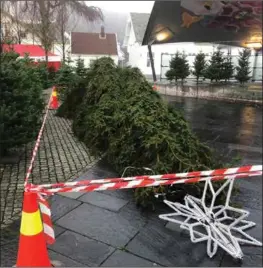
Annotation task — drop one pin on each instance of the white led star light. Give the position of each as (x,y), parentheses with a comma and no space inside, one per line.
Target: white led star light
(221,226)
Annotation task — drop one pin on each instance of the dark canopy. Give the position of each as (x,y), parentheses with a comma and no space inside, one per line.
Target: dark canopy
(237,22)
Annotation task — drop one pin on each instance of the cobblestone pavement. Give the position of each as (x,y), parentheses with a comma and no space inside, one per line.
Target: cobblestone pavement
(60,157)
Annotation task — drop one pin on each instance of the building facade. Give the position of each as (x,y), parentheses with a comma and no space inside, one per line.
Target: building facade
(91,46)
(138,55)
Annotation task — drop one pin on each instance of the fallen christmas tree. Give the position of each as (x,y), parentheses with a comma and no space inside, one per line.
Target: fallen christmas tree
(119,116)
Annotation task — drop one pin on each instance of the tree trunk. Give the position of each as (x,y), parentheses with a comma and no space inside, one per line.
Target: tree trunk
(63,51)
(1,25)
(46,56)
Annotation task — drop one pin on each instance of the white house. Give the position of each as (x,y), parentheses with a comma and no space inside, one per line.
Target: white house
(91,46)
(138,55)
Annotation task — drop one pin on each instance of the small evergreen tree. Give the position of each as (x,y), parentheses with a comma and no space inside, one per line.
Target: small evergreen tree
(170,75)
(21,101)
(51,75)
(199,66)
(65,79)
(214,70)
(228,68)
(179,68)
(80,67)
(43,74)
(243,69)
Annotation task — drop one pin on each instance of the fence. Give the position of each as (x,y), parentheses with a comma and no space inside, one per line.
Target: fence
(255,63)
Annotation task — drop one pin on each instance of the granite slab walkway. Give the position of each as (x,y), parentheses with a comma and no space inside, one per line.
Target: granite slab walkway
(107,229)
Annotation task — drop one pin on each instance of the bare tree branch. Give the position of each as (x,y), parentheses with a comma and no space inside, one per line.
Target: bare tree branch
(43,14)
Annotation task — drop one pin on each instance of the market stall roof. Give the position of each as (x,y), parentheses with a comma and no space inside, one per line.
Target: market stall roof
(36,53)
(22,49)
(233,22)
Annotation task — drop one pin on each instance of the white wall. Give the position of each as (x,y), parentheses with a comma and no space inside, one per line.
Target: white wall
(138,56)
(57,49)
(88,58)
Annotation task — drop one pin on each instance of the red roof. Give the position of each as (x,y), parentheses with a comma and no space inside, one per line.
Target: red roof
(32,50)
(93,44)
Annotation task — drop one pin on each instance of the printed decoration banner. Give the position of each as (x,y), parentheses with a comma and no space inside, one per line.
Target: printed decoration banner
(227,15)
(207,21)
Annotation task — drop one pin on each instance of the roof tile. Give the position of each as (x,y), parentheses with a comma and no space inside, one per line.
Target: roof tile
(92,44)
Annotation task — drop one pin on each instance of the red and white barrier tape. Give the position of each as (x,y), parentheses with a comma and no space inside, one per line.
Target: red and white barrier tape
(43,204)
(29,171)
(147,181)
(175,176)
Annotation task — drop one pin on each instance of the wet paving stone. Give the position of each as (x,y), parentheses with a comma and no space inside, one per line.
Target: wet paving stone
(251,198)
(73,195)
(82,249)
(103,201)
(100,224)
(63,261)
(247,261)
(125,259)
(62,205)
(58,230)
(8,254)
(167,248)
(125,194)
(10,234)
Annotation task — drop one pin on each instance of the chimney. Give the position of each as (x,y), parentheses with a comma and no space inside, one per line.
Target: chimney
(102,33)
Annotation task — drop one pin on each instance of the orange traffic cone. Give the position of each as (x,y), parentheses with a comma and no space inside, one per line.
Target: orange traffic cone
(32,249)
(54,100)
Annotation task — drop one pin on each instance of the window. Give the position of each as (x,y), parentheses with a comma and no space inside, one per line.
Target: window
(148,59)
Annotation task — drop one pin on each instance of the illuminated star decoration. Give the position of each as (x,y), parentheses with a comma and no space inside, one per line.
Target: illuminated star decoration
(221,226)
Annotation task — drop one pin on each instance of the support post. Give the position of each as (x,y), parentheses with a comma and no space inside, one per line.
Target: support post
(152,63)
(161,69)
(254,66)
(1,28)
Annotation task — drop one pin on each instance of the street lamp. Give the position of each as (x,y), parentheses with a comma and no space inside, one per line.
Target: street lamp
(163,34)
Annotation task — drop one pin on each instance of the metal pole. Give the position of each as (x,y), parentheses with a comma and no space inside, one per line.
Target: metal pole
(161,68)
(254,66)
(152,63)
(1,28)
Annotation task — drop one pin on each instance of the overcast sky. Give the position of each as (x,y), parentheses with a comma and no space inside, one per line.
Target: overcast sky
(124,6)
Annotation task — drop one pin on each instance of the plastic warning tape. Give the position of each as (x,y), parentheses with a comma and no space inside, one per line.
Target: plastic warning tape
(176,176)
(34,153)
(147,181)
(121,183)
